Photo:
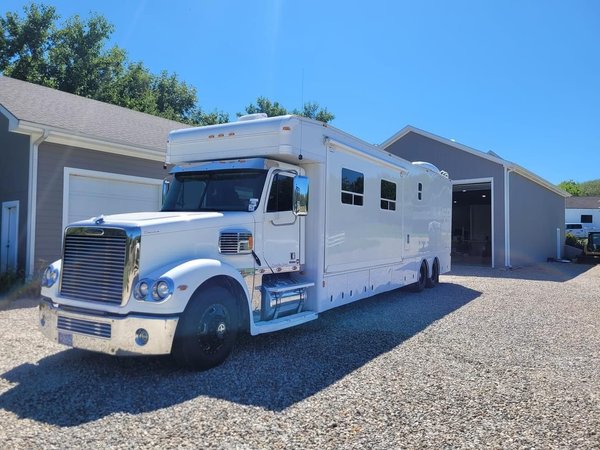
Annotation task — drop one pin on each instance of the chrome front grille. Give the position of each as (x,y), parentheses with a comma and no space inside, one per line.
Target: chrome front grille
(235,242)
(99,264)
(97,329)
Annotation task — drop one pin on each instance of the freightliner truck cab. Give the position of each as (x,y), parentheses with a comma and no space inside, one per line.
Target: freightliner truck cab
(186,280)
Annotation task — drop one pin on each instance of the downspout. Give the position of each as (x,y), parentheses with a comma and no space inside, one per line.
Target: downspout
(507,262)
(32,204)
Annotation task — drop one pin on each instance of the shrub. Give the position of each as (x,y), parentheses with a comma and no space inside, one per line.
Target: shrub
(13,285)
(573,241)
(9,281)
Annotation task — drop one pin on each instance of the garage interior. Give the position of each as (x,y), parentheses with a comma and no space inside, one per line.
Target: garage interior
(472,224)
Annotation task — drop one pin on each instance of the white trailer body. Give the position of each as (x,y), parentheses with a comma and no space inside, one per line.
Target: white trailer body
(375,222)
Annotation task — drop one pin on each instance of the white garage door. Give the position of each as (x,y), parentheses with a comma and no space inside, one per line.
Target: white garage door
(89,194)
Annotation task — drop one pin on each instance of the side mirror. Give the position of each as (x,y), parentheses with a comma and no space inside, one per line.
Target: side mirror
(300,196)
(165,189)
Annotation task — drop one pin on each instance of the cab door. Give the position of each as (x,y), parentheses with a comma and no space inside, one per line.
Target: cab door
(281,227)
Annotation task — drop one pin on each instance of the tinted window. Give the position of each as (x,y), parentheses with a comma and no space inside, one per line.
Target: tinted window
(224,190)
(353,187)
(280,195)
(388,195)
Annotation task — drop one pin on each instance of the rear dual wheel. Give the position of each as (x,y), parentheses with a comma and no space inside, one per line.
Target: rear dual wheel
(422,280)
(435,275)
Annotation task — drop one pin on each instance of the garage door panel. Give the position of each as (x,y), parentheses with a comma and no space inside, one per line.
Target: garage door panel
(91,196)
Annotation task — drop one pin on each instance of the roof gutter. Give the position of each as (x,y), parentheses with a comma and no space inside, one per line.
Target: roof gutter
(32,202)
(64,137)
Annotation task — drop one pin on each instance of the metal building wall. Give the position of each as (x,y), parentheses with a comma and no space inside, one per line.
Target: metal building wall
(461,166)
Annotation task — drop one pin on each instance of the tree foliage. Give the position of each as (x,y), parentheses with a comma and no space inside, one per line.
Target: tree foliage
(73,57)
(572,187)
(311,110)
(590,188)
(585,189)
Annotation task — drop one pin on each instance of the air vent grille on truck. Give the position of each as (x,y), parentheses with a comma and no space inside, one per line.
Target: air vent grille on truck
(235,242)
(94,264)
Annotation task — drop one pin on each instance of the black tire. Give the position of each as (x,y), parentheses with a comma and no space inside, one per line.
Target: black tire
(435,275)
(422,281)
(207,330)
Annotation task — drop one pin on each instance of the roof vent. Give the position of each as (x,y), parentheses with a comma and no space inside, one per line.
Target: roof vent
(427,166)
(252,117)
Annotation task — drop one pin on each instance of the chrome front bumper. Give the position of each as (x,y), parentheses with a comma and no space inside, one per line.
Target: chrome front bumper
(115,335)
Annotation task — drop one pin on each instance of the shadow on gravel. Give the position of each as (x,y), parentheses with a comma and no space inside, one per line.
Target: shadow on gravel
(271,371)
(551,271)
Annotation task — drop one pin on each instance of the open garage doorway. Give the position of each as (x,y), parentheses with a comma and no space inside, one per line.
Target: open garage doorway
(472,233)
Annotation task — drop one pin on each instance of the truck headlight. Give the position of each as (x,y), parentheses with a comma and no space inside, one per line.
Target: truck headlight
(141,290)
(162,289)
(50,276)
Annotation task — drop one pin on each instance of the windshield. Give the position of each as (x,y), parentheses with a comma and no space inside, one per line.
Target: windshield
(222,190)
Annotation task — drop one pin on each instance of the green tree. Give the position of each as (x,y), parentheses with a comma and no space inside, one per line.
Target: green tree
(77,59)
(25,42)
(572,187)
(590,188)
(311,110)
(199,117)
(266,106)
(73,57)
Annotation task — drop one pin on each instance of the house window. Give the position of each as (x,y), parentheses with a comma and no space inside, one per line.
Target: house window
(280,196)
(353,187)
(388,195)
(586,218)
(420,191)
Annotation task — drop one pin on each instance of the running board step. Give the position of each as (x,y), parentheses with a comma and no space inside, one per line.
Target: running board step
(267,326)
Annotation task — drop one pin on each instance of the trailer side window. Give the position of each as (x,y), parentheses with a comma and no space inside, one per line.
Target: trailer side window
(353,187)
(420,191)
(280,196)
(586,218)
(388,195)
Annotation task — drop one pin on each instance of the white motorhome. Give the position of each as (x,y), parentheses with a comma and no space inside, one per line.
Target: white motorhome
(241,246)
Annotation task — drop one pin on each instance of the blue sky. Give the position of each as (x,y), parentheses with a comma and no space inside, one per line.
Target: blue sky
(521,78)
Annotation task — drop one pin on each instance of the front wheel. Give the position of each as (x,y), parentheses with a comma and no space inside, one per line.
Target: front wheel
(207,331)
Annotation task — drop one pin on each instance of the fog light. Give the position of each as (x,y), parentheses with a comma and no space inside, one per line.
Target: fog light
(141,337)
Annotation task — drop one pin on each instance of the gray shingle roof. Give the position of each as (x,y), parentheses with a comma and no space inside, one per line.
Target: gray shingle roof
(583,202)
(84,117)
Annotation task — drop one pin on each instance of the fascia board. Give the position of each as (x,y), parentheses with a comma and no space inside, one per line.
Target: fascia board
(410,128)
(537,179)
(13,122)
(504,163)
(59,136)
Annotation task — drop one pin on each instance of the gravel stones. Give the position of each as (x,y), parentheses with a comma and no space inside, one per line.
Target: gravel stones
(489,358)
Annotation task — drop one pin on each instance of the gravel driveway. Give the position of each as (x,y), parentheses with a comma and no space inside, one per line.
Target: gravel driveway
(489,358)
